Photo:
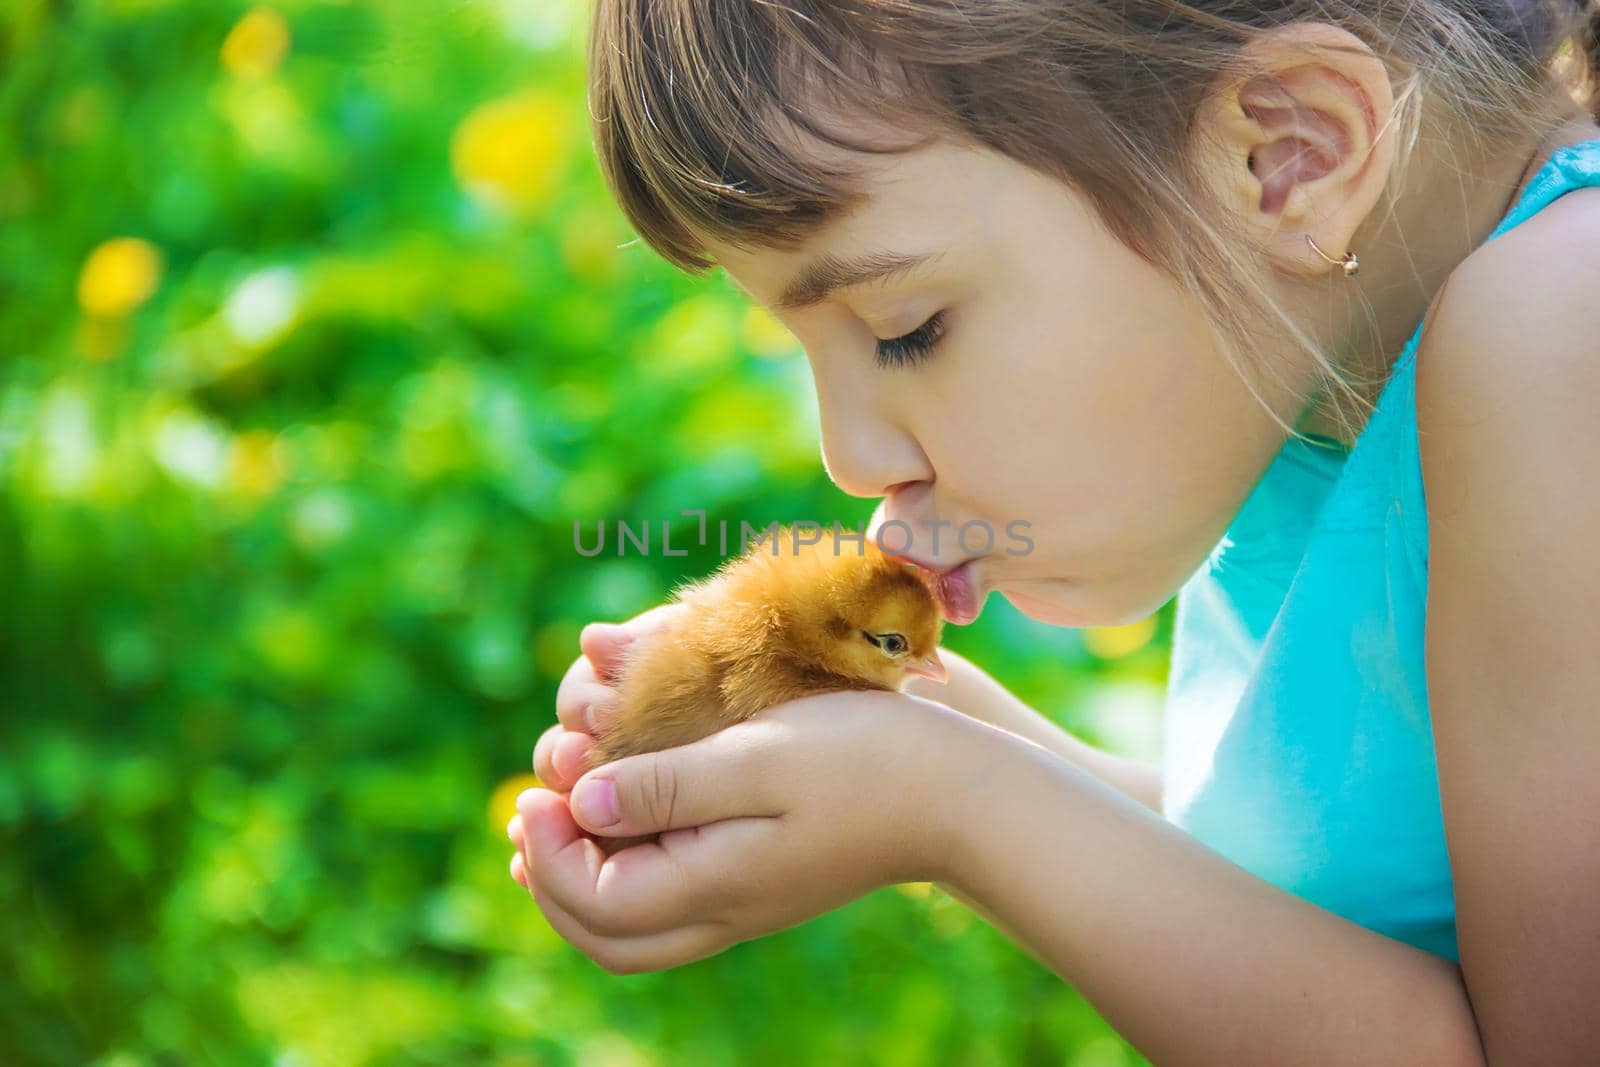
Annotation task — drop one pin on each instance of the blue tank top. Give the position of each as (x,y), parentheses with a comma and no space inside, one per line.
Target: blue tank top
(1296,739)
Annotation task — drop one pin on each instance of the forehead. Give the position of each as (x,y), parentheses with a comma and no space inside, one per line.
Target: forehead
(912,203)
(896,171)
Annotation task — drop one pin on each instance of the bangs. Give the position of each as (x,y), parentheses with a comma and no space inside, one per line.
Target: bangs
(705,122)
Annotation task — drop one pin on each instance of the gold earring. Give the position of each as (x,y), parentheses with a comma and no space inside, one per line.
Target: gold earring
(1350,263)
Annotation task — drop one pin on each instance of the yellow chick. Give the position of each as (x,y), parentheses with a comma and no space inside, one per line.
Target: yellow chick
(785,620)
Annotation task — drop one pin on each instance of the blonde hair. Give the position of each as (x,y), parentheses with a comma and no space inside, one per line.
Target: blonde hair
(684,93)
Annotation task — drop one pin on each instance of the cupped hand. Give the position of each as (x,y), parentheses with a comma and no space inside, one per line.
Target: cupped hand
(588,694)
(763,824)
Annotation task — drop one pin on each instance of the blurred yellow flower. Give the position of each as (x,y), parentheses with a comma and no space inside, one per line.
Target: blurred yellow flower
(503,802)
(256,45)
(1114,642)
(118,276)
(509,152)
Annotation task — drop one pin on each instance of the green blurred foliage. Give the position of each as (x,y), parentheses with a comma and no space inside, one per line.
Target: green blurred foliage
(317,332)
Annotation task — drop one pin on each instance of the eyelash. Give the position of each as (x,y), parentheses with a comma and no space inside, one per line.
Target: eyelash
(912,347)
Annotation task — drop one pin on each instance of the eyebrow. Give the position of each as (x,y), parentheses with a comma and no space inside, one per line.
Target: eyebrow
(829,273)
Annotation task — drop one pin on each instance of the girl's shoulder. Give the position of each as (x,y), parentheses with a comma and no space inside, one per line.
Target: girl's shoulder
(1522,306)
(1528,285)
(1519,316)
(1505,388)
(1506,372)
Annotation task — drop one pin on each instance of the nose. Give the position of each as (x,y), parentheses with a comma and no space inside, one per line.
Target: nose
(914,537)
(865,451)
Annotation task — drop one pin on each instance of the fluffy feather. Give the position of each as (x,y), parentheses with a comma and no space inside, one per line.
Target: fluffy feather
(785,620)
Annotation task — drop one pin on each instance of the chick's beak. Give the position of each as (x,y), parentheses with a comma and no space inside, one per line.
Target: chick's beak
(930,666)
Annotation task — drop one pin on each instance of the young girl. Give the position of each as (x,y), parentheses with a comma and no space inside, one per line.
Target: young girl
(1288,308)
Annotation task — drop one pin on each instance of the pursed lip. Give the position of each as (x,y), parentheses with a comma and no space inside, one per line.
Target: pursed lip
(956,586)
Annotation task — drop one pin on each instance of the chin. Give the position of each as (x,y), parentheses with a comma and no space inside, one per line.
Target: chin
(1046,609)
(1054,603)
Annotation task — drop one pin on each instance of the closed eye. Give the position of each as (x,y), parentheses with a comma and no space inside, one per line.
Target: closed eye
(914,346)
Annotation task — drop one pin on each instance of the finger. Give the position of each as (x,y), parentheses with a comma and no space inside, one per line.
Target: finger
(519,870)
(544,767)
(566,868)
(640,891)
(586,707)
(559,757)
(634,955)
(520,864)
(579,673)
(570,756)
(723,776)
(603,642)
(578,692)
(585,694)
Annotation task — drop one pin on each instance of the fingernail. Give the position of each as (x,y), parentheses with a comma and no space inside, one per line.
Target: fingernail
(596,801)
(511,833)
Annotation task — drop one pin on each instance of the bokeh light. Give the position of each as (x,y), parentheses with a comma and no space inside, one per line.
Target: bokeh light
(320,334)
(1114,642)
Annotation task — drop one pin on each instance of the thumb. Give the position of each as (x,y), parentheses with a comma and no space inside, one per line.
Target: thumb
(724,776)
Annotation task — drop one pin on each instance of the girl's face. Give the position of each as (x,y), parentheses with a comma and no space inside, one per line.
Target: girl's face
(1066,384)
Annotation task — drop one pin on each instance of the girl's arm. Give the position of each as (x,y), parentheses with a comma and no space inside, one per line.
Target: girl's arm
(813,803)
(1193,959)
(973,692)
(1196,960)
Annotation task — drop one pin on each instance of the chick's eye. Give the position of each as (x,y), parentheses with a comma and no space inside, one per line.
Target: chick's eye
(914,346)
(893,644)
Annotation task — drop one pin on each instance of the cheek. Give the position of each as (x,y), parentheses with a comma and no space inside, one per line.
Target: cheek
(1038,427)
(1122,460)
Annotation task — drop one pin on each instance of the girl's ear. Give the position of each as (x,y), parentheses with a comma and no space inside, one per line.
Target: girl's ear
(1302,146)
